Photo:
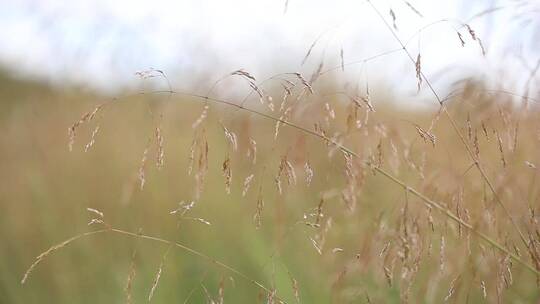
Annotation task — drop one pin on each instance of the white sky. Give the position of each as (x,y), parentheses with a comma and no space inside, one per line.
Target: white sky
(101,43)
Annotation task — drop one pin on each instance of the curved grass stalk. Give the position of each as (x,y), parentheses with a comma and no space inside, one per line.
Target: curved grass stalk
(194,252)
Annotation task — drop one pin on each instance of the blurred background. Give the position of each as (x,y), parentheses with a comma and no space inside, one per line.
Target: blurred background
(61,59)
(100,44)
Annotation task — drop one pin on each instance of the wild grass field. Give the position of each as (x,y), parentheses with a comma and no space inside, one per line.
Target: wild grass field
(295,189)
(339,231)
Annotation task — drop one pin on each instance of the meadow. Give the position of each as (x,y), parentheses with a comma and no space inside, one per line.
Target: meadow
(296,190)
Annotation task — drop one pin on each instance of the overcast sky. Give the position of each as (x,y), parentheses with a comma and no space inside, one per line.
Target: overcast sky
(101,43)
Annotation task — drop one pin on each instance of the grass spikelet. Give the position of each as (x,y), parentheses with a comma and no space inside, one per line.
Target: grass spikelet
(427,136)
(329,111)
(452,289)
(141,174)
(131,276)
(160,149)
(342,60)
(483,288)
(474,37)
(316,245)
(221,291)
(304,82)
(460,37)
(244,74)
(282,118)
(258,212)
(289,170)
(380,156)
(247,183)
(198,219)
(95,211)
(202,165)
(337,250)
(227,173)
(308,170)
(85,118)
(393,15)
(201,118)
(418,66)
(476,145)
(92,139)
(191,160)
(158,276)
(501,149)
(484,129)
(442,256)
(388,274)
(295,288)
(252,151)
(231,138)
(99,219)
(471,32)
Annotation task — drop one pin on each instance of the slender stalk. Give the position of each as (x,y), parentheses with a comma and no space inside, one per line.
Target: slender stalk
(145,237)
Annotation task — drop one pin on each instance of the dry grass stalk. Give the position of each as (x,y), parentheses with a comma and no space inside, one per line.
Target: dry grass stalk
(413,9)
(53,249)
(316,73)
(310,50)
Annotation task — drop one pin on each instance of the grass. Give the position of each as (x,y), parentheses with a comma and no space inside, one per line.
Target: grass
(313,195)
